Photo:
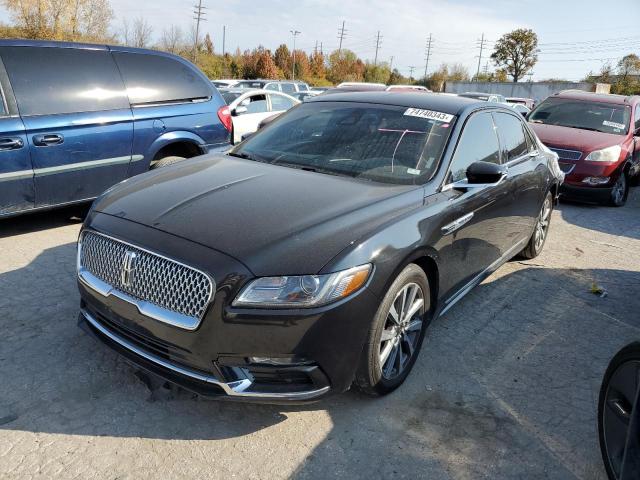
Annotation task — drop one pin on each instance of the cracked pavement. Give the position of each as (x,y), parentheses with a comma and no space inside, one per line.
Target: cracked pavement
(506,385)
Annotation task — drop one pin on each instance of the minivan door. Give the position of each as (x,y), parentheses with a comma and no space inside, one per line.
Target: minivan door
(16,174)
(77,117)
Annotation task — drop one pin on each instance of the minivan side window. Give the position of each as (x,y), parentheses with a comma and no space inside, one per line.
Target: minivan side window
(177,81)
(478,142)
(510,130)
(63,80)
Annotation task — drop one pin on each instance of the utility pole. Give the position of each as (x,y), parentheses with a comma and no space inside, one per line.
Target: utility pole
(485,69)
(199,17)
(411,69)
(427,56)
(391,64)
(315,50)
(378,42)
(341,35)
(321,51)
(224,38)
(295,33)
(481,45)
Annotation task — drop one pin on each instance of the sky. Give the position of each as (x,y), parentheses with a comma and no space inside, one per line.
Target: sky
(575,36)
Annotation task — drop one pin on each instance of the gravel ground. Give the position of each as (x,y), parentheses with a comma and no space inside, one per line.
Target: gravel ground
(505,387)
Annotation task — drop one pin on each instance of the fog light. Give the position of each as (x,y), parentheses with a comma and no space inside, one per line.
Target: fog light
(596,180)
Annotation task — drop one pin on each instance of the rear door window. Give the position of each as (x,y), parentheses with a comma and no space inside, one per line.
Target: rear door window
(256,104)
(511,133)
(158,79)
(278,103)
(288,87)
(50,80)
(478,142)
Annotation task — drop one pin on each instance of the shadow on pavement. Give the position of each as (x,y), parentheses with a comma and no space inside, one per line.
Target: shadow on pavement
(38,221)
(506,384)
(622,221)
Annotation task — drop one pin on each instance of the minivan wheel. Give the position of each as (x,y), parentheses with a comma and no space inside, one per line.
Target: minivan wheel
(541,230)
(163,162)
(619,191)
(396,333)
(616,411)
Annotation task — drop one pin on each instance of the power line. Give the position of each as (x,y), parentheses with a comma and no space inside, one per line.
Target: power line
(411,69)
(378,43)
(428,55)
(341,34)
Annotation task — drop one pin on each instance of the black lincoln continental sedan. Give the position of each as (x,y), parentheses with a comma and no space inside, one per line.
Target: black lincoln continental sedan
(314,255)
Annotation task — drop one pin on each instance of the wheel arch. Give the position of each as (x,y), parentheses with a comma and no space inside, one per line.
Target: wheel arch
(177,141)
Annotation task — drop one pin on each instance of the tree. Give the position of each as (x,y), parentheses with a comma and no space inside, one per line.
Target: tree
(208,44)
(282,59)
(345,66)
(379,73)
(61,19)
(316,65)
(516,52)
(457,72)
(627,81)
(171,39)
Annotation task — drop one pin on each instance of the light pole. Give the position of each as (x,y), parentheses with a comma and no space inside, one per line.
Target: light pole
(295,33)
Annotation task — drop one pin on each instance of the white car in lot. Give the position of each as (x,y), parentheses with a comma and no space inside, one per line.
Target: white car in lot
(250,107)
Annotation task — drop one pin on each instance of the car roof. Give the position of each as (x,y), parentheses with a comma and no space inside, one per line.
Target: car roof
(597,97)
(428,101)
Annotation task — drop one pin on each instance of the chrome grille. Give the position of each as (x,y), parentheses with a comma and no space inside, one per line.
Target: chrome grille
(564,154)
(158,280)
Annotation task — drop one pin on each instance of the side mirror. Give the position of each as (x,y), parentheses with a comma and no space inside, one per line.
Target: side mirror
(485,172)
(239,110)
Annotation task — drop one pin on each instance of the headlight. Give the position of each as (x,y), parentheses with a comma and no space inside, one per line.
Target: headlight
(303,291)
(609,155)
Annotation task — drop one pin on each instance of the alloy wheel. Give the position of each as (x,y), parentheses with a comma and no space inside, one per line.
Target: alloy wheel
(542,226)
(401,331)
(619,190)
(617,414)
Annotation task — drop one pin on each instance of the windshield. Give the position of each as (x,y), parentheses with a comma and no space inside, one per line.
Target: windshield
(249,84)
(599,117)
(389,144)
(230,96)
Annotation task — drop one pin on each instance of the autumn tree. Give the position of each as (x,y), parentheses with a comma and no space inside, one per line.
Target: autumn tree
(208,44)
(516,52)
(61,19)
(379,73)
(628,70)
(136,34)
(301,62)
(282,59)
(345,66)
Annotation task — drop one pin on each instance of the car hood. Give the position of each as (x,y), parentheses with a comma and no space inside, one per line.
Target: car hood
(574,138)
(274,219)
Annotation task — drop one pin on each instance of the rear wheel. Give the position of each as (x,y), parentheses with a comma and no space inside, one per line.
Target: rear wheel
(539,236)
(616,410)
(396,333)
(163,162)
(619,191)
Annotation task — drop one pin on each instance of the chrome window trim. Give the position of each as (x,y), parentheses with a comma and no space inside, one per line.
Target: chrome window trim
(145,308)
(236,388)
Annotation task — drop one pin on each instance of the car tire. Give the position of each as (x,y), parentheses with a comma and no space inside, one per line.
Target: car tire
(386,361)
(620,191)
(615,408)
(540,231)
(166,161)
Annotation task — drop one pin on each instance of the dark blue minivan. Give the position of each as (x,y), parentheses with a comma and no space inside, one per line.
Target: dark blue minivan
(76,119)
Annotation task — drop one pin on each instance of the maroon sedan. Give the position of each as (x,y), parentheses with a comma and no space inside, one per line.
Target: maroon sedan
(597,139)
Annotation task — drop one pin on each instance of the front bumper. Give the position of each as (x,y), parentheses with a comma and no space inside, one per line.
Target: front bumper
(321,345)
(585,194)
(193,380)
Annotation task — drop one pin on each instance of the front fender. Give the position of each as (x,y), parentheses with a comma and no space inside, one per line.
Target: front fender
(175,137)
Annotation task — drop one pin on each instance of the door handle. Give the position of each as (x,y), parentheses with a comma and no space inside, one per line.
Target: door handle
(11,143)
(47,139)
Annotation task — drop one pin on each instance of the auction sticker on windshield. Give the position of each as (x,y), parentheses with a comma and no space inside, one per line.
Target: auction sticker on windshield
(429,114)
(619,126)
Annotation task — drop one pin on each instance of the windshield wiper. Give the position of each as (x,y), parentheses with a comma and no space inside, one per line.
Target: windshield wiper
(246,156)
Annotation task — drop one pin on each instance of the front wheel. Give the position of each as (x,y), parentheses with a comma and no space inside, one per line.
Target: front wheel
(396,333)
(618,417)
(541,230)
(166,161)
(619,191)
